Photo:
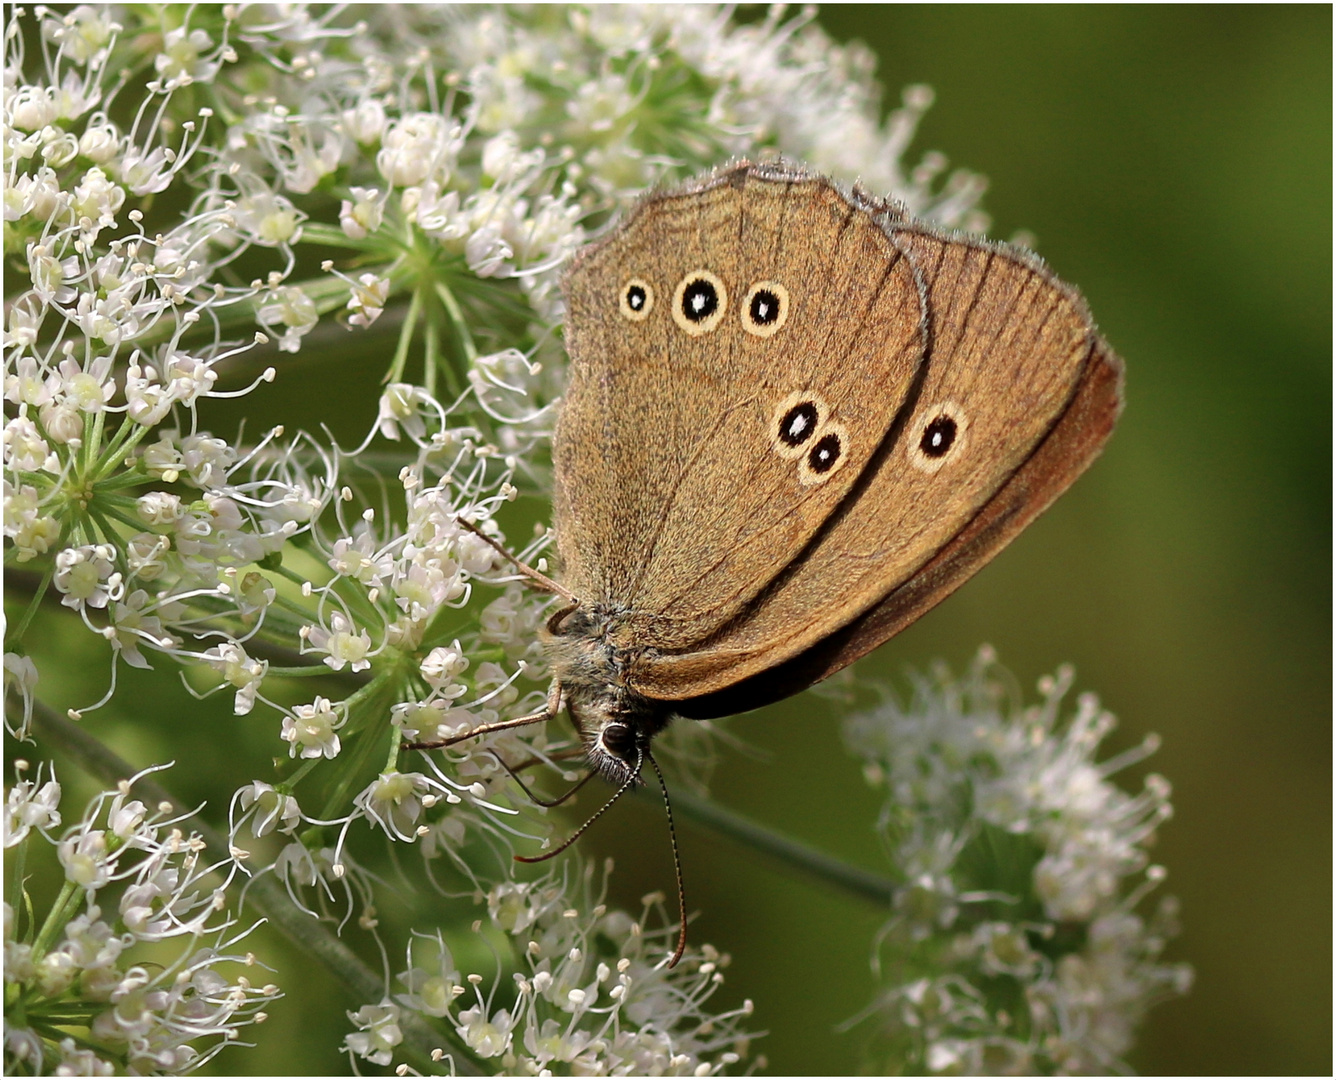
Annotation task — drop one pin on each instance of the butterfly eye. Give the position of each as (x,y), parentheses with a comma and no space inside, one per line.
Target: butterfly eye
(826,455)
(637,299)
(618,740)
(766,308)
(940,439)
(699,302)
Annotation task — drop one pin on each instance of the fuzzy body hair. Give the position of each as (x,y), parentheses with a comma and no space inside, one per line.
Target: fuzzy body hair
(615,723)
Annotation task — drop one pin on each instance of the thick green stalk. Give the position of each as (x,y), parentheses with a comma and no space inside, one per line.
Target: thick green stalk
(814,864)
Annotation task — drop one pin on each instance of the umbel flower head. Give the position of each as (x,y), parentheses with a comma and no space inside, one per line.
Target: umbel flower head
(206,203)
(592,995)
(135,969)
(1016,945)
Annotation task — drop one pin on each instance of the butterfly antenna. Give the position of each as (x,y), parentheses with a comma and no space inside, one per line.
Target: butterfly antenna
(580,831)
(677,866)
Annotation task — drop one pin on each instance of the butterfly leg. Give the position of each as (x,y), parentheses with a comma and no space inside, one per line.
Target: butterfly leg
(569,753)
(539,580)
(575,723)
(549,711)
(514,773)
(555,620)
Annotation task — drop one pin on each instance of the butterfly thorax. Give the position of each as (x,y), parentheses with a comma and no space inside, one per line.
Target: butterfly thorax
(615,723)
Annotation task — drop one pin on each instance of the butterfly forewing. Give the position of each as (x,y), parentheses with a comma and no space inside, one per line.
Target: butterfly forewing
(692,467)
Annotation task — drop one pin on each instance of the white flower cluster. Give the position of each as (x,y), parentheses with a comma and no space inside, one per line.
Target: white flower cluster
(127,973)
(633,93)
(190,193)
(1016,946)
(593,996)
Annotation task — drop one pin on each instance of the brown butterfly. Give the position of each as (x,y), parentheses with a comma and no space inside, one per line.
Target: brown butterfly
(797,419)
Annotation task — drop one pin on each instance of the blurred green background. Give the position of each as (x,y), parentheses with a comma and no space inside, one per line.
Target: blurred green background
(1175,163)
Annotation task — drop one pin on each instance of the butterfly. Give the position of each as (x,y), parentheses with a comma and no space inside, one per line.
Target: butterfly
(797,418)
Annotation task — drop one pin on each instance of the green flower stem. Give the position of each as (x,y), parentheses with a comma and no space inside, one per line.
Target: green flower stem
(109,534)
(131,478)
(392,756)
(16,862)
(130,435)
(432,360)
(808,860)
(290,574)
(61,912)
(397,365)
(461,328)
(289,785)
(371,700)
(266,896)
(292,607)
(91,437)
(16,634)
(317,232)
(459,323)
(317,669)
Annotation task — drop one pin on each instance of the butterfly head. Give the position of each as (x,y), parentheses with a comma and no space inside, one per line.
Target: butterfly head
(617,729)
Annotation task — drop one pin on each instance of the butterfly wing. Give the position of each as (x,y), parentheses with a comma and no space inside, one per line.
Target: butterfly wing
(677,501)
(1073,444)
(1018,396)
